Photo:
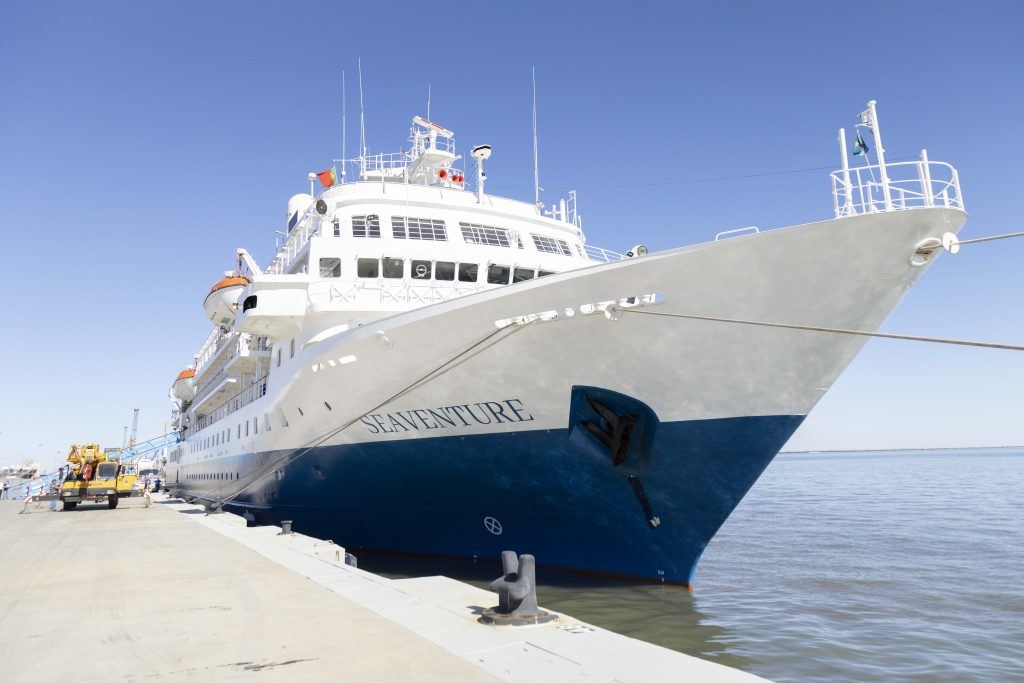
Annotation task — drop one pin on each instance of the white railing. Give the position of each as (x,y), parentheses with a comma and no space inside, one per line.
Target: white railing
(306,227)
(904,185)
(601,255)
(255,390)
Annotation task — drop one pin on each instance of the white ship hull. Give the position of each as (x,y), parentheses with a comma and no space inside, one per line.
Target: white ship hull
(449,430)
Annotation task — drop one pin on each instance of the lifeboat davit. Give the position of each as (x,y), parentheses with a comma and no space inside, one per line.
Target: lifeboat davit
(184,387)
(221,302)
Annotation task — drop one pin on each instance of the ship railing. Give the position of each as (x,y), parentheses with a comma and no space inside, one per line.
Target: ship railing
(255,390)
(306,227)
(239,343)
(895,187)
(383,164)
(210,385)
(601,255)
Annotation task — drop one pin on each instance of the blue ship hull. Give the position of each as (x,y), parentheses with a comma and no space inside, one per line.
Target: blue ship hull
(553,493)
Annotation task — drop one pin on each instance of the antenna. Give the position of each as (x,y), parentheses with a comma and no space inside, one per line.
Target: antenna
(344,127)
(428,101)
(536,170)
(362,125)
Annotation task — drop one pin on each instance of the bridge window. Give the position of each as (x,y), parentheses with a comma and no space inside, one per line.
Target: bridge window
(522,274)
(545,273)
(420,270)
(394,267)
(368,267)
(498,275)
(330,267)
(549,245)
(366,226)
(444,270)
(468,272)
(418,229)
(473,233)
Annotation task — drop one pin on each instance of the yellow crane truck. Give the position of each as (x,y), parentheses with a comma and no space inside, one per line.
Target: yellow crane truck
(94,475)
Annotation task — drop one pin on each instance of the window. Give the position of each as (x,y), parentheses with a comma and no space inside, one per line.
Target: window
(279,357)
(394,267)
(545,273)
(418,229)
(266,422)
(240,430)
(498,275)
(549,245)
(291,351)
(255,425)
(246,428)
(330,267)
(420,270)
(368,267)
(366,226)
(444,270)
(522,274)
(482,234)
(337,228)
(467,272)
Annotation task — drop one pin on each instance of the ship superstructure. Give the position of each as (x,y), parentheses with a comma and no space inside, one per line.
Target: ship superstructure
(426,368)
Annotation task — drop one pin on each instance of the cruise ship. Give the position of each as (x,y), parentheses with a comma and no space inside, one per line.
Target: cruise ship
(428,369)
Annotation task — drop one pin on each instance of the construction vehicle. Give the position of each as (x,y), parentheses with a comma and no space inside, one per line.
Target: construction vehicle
(94,476)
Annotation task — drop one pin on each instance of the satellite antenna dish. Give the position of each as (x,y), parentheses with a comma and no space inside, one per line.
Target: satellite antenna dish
(481,152)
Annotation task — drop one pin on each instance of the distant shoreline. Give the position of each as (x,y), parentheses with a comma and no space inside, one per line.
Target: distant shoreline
(903,450)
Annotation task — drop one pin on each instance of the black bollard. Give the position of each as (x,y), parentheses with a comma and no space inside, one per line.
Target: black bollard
(517,594)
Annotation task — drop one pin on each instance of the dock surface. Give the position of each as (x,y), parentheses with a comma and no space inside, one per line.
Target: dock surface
(170,593)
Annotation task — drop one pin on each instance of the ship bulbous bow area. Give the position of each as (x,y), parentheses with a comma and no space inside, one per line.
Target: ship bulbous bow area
(566,422)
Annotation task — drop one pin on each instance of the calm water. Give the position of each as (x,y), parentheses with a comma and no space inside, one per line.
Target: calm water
(838,567)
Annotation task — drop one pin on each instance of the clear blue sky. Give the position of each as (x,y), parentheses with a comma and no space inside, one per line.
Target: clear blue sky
(141,143)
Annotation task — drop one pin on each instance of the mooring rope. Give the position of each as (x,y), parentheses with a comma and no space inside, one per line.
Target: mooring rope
(976,240)
(448,365)
(832,330)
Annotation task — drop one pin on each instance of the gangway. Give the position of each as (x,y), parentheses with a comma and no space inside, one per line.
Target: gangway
(39,486)
(142,448)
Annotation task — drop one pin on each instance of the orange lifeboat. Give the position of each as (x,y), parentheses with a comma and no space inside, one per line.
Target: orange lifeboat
(184,387)
(223,298)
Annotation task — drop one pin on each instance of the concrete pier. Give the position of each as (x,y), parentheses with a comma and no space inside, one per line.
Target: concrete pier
(170,593)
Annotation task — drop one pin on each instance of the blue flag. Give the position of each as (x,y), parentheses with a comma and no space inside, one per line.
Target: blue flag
(859,146)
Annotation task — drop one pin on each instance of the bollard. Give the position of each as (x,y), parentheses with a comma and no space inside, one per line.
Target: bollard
(216,507)
(286,527)
(517,594)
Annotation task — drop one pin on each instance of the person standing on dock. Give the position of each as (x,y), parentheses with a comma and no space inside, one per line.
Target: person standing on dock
(3,490)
